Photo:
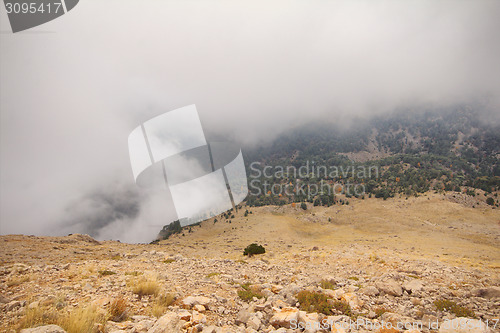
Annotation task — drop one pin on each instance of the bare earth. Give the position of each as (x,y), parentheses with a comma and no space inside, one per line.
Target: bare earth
(389,260)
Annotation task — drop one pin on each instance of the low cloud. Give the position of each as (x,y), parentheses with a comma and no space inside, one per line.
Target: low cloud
(73,89)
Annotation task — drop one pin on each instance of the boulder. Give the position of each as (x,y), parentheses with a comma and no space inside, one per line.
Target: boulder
(168,323)
(254,322)
(352,299)
(369,291)
(285,317)
(196,300)
(413,286)
(44,329)
(242,317)
(390,287)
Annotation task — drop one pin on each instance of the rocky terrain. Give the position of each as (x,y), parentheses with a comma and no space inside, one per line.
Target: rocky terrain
(424,264)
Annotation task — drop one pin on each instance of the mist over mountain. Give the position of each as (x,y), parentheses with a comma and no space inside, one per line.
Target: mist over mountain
(255,70)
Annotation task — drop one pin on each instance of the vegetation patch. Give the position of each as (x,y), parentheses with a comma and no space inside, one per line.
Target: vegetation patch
(452,307)
(146,287)
(314,302)
(161,304)
(106,272)
(212,274)
(247,294)
(325,284)
(118,310)
(252,249)
(380,311)
(342,307)
(81,319)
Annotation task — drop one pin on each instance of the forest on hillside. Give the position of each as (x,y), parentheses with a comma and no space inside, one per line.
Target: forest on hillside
(454,149)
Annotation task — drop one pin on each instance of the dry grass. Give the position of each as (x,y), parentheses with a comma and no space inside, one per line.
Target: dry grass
(81,319)
(161,304)
(118,310)
(78,320)
(145,287)
(38,316)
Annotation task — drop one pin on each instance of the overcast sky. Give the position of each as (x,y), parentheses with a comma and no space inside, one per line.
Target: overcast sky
(73,89)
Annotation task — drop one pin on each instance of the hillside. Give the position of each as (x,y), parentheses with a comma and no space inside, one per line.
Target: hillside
(418,261)
(452,150)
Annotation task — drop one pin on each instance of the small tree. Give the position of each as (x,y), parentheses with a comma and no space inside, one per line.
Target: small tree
(490,201)
(303,206)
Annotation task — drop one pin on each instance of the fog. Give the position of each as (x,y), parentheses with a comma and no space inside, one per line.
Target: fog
(73,89)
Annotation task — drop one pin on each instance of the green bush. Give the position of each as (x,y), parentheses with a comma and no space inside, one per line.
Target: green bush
(325,284)
(303,206)
(342,307)
(314,302)
(253,248)
(248,294)
(490,201)
(452,307)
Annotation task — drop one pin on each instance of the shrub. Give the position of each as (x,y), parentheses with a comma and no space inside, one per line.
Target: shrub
(450,306)
(303,206)
(325,284)
(252,249)
(490,201)
(248,294)
(342,307)
(314,302)
(106,272)
(118,310)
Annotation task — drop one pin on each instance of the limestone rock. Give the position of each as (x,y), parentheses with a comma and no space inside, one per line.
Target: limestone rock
(168,323)
(390,287)
(44,329)
(285,317)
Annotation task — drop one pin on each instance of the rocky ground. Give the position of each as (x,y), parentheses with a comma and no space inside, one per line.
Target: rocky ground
(357,281)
